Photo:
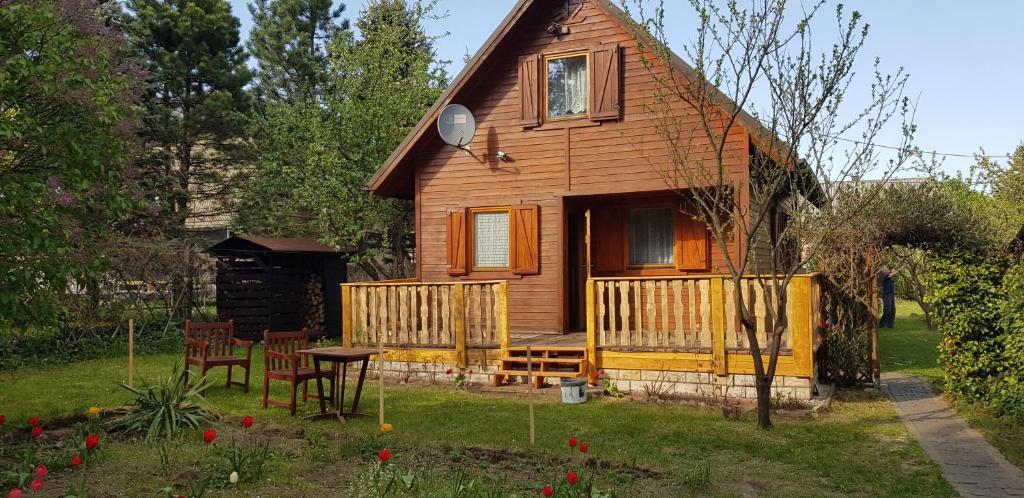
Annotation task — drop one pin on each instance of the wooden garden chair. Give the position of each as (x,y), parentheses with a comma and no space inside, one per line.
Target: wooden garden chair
(282,363)
(209,345)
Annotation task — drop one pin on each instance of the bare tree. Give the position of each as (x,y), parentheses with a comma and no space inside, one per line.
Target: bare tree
(771,220)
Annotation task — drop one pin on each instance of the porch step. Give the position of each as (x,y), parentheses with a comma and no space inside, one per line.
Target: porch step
(544,361)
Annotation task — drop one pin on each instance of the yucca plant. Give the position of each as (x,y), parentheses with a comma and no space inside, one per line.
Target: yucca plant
(163,409)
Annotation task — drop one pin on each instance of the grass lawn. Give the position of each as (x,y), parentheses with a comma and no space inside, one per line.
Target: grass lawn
(859,448)
(911,348)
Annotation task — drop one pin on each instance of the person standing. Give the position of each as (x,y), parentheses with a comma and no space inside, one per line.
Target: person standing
(888,288)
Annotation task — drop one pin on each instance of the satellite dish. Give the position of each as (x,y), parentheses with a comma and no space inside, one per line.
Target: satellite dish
(456,126)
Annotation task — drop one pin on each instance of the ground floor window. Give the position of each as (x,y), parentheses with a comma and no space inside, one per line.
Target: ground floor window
(491,236)
(651,237)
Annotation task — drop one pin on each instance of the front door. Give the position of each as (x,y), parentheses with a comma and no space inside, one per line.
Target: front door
(579,268)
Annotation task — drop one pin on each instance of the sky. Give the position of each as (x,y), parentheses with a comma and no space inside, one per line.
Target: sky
(964,61)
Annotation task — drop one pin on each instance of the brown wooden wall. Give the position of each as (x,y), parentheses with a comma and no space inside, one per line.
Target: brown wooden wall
(548,163)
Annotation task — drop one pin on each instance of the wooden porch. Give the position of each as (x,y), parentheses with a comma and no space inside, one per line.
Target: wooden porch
(661,324)
(572,339)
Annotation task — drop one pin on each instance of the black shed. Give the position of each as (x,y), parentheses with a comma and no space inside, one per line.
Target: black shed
(279,284)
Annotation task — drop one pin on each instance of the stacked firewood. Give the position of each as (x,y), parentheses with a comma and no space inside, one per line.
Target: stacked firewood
(314,312)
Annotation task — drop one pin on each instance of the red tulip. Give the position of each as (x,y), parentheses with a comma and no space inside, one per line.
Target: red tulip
(76,460)
(247,422)
(41,471)
(572,441)
(33,421)
(572,477)
(37,431)
(209,435)
(15,493)
(36,485)
(584,447)
(385,455)
(3,420)
(92,441)
(548,490)
(449,371)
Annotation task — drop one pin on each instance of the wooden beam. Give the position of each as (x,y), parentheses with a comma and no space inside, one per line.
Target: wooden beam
(798,307)
(718,326)
(503,330)
(591,366)
(459,309)
(346,316)
(482,357)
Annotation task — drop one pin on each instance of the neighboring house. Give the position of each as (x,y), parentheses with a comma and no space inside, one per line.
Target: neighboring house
(209,219)
(564,152)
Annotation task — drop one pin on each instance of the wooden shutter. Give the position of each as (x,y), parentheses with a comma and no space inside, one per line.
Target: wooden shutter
(529,90)
(525,240)
(456,231)
(692,243)
(607,241)
(605,73)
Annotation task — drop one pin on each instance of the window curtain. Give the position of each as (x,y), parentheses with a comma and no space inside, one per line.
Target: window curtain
(491,240)
(567,86)
(576,85)
(651,236)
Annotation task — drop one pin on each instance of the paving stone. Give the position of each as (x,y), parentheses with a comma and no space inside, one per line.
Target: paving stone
(972,465)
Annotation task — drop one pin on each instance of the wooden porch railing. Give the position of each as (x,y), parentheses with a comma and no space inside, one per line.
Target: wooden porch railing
(691,322)
(410,315)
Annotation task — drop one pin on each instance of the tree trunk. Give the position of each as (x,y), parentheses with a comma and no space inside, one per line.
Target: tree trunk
(764,402)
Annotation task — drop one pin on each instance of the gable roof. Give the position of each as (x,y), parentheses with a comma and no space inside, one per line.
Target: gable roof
(249,243)
(383,183)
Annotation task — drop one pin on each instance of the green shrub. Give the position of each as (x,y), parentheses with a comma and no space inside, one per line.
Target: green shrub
(59,346)
(964,291)
(1009,394)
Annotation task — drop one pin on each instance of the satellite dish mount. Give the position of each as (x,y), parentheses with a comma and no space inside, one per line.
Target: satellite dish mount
(457,126)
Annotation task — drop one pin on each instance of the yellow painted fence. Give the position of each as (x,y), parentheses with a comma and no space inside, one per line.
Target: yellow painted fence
(439,321)
(690,324)
(685,323)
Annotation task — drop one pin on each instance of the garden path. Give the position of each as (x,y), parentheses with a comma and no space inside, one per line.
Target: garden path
(972,465)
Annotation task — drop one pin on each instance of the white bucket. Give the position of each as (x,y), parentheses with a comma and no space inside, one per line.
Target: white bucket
(574,391)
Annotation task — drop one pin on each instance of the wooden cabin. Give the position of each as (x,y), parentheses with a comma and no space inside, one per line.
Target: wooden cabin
(564,150)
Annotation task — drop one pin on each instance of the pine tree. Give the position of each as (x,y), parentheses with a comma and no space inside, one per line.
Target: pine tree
(288,42)
(196,105)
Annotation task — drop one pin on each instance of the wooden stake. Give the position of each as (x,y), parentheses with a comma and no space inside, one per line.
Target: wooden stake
(131,352)
(529,392)
(380,376)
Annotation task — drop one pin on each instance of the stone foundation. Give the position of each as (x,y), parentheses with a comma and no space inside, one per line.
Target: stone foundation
(434,372)
(706,384)
(686,384)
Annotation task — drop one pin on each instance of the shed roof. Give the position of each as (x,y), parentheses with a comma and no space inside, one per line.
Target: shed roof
(249,243)
(383,181)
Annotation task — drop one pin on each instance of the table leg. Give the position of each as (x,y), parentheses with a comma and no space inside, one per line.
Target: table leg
(319,384)
(359,386)
(341,398)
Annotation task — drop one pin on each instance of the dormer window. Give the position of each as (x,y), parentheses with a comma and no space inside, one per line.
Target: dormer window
(570,85)
(567,89)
